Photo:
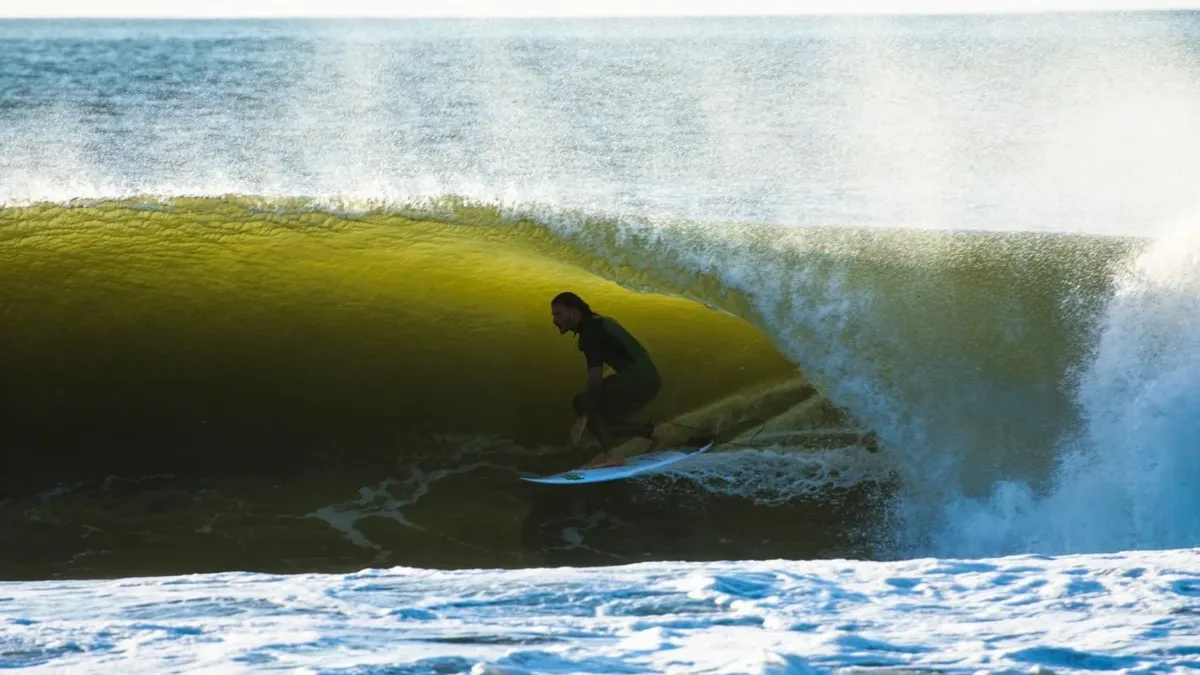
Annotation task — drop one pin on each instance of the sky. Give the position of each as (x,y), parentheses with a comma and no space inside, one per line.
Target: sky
(546,8)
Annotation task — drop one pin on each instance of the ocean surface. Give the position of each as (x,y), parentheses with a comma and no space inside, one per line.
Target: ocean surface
(274,307)
(1120,613)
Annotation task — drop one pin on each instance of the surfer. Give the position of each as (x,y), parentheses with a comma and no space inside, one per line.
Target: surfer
(605,406)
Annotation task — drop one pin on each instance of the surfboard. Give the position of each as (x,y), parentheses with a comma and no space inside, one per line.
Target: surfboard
(636,465)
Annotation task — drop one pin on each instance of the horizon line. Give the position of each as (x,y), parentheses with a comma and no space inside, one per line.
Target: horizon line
(569,17)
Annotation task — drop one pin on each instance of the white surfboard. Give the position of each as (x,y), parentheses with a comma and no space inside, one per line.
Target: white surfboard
(638,464)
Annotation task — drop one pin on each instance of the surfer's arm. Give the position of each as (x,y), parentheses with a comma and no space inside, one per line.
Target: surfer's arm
(594,354)
(587,402)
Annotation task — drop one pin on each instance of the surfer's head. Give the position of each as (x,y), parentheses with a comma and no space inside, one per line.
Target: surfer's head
(568,311)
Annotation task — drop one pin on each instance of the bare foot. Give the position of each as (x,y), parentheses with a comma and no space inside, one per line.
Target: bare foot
(658,438)
(610,458)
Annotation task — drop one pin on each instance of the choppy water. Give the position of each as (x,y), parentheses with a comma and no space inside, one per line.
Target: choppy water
(1077,614)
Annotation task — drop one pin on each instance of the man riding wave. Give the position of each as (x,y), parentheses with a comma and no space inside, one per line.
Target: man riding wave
(605,406)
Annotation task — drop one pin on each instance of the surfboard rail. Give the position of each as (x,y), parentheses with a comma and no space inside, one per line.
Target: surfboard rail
(634,466)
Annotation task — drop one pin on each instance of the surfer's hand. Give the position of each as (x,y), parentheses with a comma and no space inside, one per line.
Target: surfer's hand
(577,428)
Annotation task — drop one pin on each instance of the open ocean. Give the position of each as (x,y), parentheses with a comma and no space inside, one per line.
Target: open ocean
(275,344)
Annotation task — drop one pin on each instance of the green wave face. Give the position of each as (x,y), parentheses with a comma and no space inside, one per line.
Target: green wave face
(221,334)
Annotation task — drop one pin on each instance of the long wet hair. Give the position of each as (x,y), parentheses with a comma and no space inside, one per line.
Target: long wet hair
(569,299)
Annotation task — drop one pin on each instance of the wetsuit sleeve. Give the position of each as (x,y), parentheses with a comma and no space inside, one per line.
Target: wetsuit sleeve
(593,351)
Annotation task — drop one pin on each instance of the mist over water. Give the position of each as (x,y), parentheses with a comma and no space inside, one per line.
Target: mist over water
(978,235)
(1064,123)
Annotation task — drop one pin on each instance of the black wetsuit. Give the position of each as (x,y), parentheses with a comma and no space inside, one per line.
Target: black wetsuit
(634,384)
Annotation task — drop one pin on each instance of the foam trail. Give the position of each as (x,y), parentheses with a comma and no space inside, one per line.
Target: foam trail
(1126,482)
(777,476)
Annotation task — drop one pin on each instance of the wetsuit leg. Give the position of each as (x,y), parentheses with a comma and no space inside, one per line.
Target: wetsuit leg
(620,396)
